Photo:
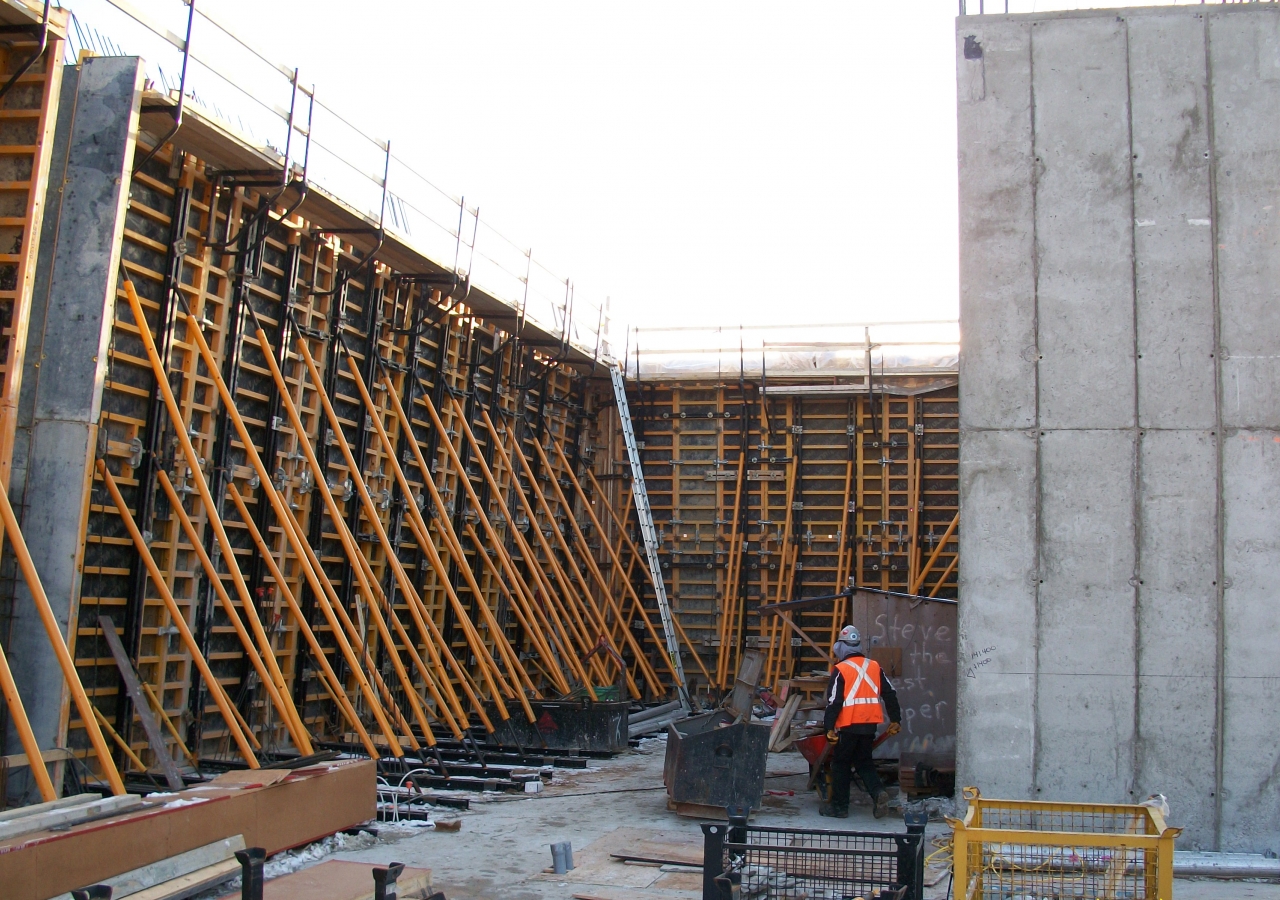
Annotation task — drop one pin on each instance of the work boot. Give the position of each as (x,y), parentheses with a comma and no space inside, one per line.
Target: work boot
(833,812)
(882,805)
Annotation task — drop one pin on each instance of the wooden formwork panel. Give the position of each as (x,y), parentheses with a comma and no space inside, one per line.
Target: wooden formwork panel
(762,501)
(28,113)
(199,246)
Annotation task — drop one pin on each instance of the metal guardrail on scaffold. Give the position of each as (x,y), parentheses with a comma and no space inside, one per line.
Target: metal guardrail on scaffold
(200,62)
(794,350)
(1005,7)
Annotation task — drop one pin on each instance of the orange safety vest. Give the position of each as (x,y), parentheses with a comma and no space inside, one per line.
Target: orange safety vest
(861,692)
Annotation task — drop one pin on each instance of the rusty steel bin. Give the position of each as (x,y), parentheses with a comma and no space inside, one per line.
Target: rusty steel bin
(591,725)
(712,764)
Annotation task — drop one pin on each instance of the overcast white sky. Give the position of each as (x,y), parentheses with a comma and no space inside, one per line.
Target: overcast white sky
(707,163)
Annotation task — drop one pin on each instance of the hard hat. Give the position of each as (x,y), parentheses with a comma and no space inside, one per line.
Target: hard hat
(849,635)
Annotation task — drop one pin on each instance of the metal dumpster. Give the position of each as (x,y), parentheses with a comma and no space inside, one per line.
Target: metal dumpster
(713,763)
(596,726)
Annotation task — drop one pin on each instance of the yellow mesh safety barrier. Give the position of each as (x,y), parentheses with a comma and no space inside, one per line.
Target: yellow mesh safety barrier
(1033,849)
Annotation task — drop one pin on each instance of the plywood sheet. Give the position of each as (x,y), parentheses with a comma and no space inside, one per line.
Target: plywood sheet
(339,880)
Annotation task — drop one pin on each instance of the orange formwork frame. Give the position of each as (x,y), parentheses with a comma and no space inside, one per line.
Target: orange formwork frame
(363,573)
(422,534)
(590,616)
(339,623)
(636,554)
(566,635)
(39,153)
(546,613)
(568,600)
(272,678)
(642,661)
(522,611)
(220,698)
(432,638)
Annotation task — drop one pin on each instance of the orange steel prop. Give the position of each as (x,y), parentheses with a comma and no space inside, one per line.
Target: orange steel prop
(175,614)
(307,560)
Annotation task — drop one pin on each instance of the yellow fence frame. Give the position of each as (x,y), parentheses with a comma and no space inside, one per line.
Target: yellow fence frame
(970,831)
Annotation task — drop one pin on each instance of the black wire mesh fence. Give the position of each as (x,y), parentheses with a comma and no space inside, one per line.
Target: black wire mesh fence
(761,863)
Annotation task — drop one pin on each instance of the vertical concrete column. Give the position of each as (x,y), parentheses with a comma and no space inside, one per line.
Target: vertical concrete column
(1244,85)
(1087,401)
(72,312)
(998,411)
(1178,522)
(10,576)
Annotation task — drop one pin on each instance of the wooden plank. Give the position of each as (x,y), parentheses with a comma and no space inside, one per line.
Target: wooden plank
(340,880)
(191,883)
(180,875)
(69,815)
(22,812)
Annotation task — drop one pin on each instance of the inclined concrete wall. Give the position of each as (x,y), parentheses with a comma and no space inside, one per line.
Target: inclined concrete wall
(1120,412)
(72,308)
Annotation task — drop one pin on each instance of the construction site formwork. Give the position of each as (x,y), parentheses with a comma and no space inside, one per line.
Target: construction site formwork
(760,498)
(291,481)
(798,478)
(358,319)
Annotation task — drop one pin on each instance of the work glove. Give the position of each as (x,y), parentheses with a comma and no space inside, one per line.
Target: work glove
(833,737)
(893,728)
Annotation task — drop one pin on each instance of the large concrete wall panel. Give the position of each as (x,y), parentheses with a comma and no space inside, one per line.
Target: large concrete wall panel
(997,646)
(997,261)
(1244,51)
(1177,625)
(1250,625)
(1086,692)
(1158,429)
(1084,289)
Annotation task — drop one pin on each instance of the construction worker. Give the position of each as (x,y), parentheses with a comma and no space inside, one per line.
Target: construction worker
(854,699)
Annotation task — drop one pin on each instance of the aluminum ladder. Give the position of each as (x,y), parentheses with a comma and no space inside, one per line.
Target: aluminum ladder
(645,515)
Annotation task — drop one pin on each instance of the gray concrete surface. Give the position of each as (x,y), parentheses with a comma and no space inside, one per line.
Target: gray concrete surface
(1120,415)
(73,305)
(504,841)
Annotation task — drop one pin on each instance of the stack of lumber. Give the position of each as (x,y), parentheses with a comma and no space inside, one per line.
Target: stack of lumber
(178,876)
(52,849)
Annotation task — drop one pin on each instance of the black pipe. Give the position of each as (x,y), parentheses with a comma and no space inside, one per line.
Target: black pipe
(182,88)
